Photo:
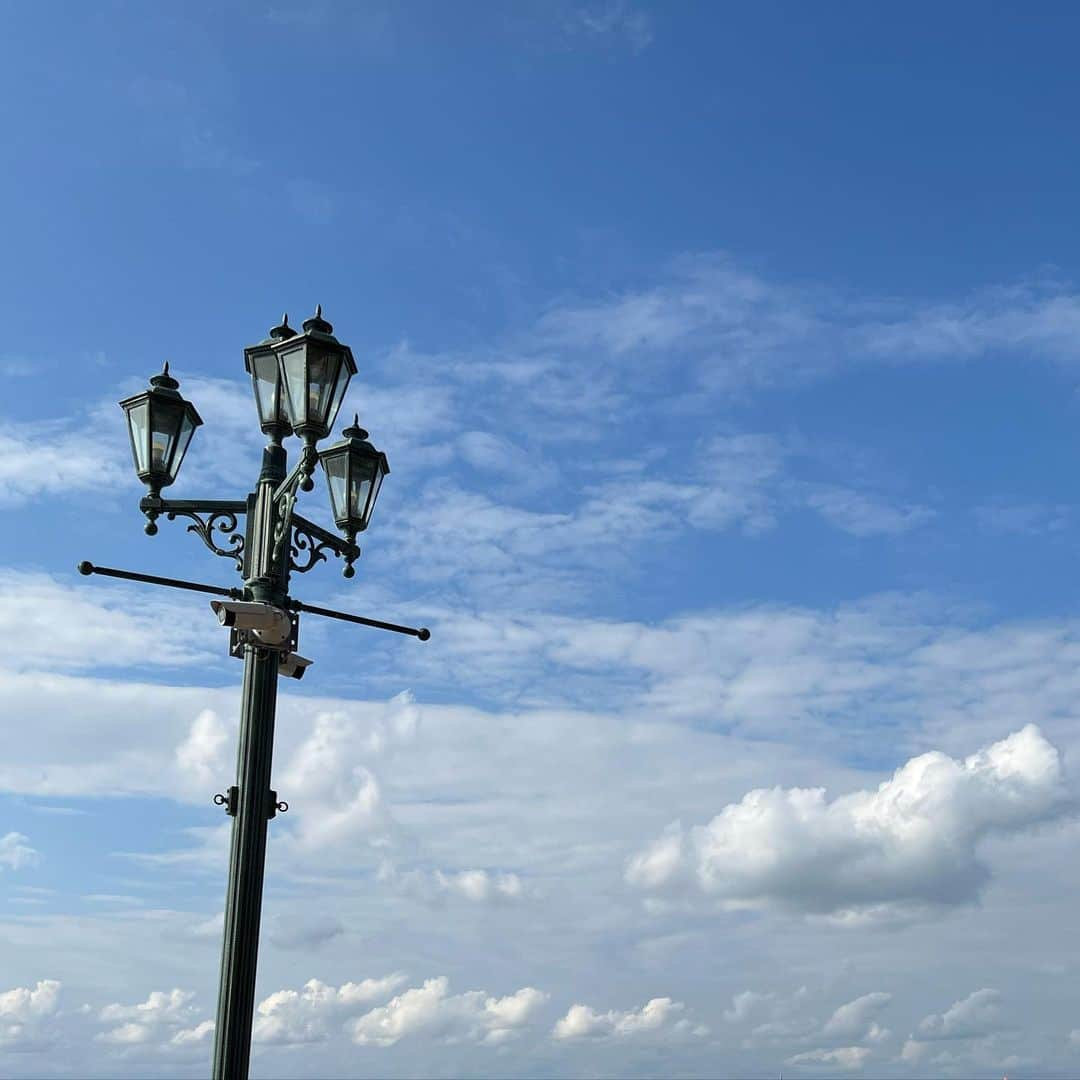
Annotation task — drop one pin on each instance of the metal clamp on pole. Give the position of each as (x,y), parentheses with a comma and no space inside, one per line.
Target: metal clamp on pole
(229,800)
(274,807)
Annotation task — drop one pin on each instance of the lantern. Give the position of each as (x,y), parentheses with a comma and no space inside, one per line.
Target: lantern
(354,474)
(262,365)
(315,368)
(160,424)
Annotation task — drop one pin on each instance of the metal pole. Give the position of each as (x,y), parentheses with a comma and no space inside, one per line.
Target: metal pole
(247,853)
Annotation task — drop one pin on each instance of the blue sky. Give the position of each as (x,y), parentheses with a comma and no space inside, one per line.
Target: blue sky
(726,361)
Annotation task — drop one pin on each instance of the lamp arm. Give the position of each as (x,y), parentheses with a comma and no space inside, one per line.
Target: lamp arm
(300,477)
(309,541)
(209,516)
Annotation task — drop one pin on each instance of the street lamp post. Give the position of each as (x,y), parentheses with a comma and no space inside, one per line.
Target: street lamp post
(299,380)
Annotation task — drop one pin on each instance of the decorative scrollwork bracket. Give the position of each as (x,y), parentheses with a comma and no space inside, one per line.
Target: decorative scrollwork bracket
(209,517)
(309,545)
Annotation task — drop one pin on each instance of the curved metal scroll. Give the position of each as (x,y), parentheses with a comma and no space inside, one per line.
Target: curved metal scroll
(225,522)
(307,549)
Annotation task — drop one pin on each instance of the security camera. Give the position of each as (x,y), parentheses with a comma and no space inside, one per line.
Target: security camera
(268,624)
(294,665)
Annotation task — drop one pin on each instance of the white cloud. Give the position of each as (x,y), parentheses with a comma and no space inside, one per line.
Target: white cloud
(855,1021)
(746,1004)
(201,756)
(617,21)
(16,852)
(477,886)
(341,800)
(844,1057)
(657,1015)
(56,459)
(499,456)
(743,329)
(1022,518)
(198,1035)
(154,1021)
(977,1015)
(865,515)
(302,930)
(310,1014)
(49,625)
(432,1011)
(24,1013)
(909,846)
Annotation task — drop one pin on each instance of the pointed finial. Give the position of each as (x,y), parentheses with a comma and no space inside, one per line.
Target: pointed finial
(164,381)
(283,331)
(317,322)
(355,431)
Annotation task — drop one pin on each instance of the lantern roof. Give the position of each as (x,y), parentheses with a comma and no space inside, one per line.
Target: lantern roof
(282,332)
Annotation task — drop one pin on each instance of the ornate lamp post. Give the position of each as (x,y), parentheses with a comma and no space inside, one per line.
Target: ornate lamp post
(299,382)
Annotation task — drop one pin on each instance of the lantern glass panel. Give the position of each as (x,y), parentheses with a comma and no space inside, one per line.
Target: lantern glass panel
(266,380)
(187,429)
(163,428)
(336,467)
(340,386)
(375,485)
(138,421)
(294,365)
(323,367)
(359,489)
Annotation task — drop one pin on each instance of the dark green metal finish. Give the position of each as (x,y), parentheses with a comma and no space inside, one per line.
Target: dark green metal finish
(247,861)
(88,568)
(275,542)
(423,633)
(267,581)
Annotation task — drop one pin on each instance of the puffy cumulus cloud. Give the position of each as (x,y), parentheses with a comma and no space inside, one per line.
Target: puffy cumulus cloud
(975,1016)
(23,1013)
(901,850)
(432,1011)
(435,886)
(201,756)
(843,1057)
(16,852)
(336,800)
(197,1036)
(657,1016)
(305,1016)
(856,1021)
(155,1021)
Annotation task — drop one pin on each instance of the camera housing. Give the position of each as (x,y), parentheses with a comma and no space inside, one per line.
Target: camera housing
(267,624)
(294,665)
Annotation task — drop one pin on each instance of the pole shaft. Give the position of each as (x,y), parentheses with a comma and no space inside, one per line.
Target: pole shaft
(247,851)
(247,860)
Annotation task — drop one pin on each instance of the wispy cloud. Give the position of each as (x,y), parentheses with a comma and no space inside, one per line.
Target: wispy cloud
(614,22)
